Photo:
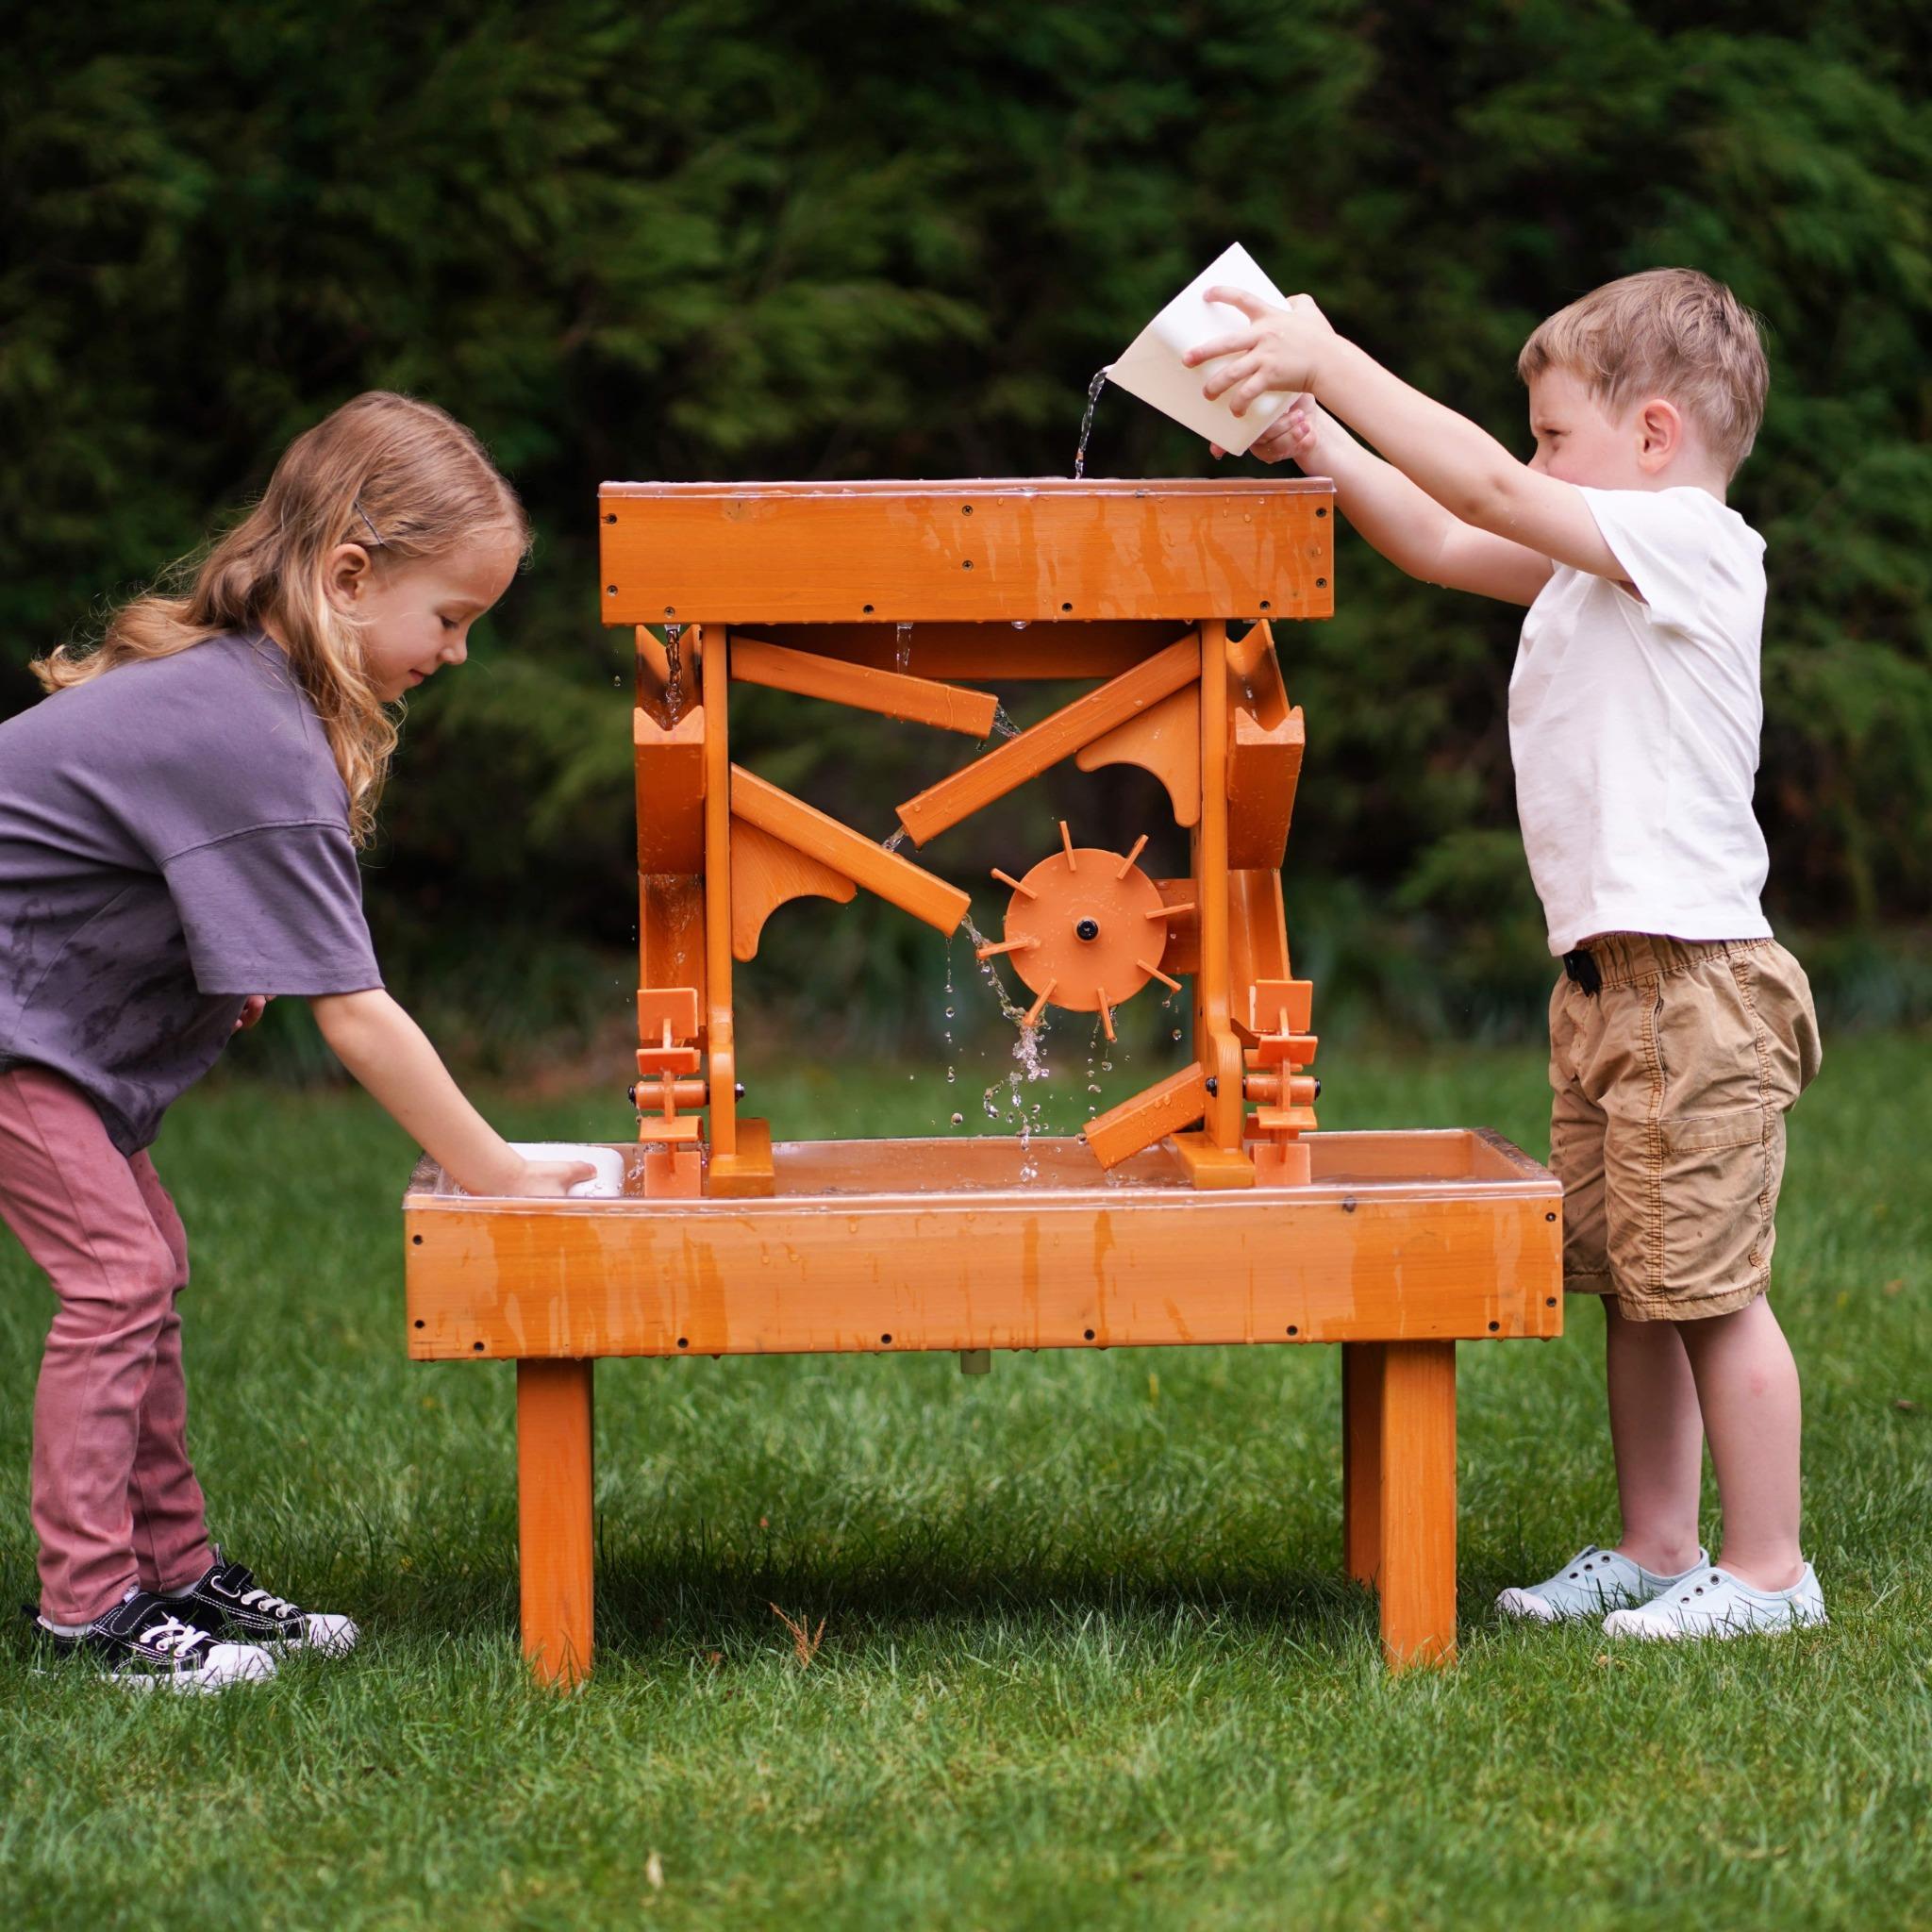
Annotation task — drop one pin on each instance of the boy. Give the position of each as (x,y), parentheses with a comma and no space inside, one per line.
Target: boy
(1680,1032)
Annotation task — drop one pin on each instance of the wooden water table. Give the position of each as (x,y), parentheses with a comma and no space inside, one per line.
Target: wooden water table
(1207,1209)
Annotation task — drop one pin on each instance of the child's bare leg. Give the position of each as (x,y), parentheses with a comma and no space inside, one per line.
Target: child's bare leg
(1747,1389)
(1658,1436)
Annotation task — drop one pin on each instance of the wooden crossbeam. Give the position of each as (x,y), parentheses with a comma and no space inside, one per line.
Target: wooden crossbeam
(1013,763)
(890,693)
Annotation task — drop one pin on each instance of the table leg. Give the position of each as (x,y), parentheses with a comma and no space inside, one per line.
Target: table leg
(1418,1503)
(1361,1459)
(554,1465)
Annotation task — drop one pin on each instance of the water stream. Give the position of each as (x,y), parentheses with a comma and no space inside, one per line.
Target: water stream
(1094,389)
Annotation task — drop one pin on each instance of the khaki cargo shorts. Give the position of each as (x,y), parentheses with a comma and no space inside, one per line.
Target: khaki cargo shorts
(1667,1129)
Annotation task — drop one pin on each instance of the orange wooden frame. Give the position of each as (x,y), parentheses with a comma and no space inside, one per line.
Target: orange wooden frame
(904,600)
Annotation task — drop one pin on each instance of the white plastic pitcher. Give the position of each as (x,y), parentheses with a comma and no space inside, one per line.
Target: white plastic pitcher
(1152,368)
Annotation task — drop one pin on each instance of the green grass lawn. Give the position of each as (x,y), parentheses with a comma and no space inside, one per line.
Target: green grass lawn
(1087,1658)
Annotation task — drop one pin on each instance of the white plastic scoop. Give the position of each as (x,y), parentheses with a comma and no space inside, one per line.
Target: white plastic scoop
(1152,369)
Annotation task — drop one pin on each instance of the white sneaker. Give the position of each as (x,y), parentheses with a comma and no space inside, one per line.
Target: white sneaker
(1713,1603)
(1592,1582)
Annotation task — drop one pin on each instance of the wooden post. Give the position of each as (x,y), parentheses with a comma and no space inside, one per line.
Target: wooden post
(1361,1459)
(1417,1503)
(553,1464)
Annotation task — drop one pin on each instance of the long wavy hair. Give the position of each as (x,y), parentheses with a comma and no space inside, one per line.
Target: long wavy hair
(404,480)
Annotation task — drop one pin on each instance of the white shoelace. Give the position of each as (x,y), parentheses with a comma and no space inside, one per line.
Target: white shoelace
(171,1637)
(269,1606)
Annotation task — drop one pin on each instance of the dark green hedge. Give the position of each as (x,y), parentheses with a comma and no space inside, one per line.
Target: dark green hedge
(738,239)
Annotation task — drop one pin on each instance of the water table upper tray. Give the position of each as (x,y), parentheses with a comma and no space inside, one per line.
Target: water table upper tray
(1020,549)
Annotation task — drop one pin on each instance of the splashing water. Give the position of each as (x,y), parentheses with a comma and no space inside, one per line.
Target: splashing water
(902,645)
(1004,1102)
(1002,726)
(1094,389)
(894,840)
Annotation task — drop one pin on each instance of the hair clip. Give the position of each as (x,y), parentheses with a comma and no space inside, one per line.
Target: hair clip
(376,535)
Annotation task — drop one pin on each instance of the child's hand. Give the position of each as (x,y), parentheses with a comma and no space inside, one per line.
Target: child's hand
(1279,352)
(1295,434)
(253,1007)
(550,1179)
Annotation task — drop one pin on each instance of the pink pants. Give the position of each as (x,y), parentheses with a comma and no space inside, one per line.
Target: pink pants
(115,1501)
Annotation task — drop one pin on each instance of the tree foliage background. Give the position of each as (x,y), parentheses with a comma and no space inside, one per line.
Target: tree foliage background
(731,239)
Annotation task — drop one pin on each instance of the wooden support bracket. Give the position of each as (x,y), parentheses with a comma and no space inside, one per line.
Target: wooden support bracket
(746,1174)
(671,792)
(1211,1166)
(1165,739)
(910,887)
(765,873)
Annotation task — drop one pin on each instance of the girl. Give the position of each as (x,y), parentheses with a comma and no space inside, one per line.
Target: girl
(178,825)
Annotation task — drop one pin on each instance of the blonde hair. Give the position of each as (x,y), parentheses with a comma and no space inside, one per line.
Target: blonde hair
(1669,332)
(404,480)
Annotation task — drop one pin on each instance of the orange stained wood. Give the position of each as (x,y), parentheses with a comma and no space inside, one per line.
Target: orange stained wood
(667,1014)
(1216,1046)
(671,932)
(748,1174)
(995,653)
(942,1245)
(671,792)
(1257,938)
(1280,1163)
(1211,1166)
(890,693)
(720,1035)
(554,1517)
(1148,1117)
(1182,901)
(1010,765)
(1022,550)
(1249,651)
(1280,1004)
(673,1174)
(910,887)
(765,873)
(1417,1503)
(1263,766)
(1165,739)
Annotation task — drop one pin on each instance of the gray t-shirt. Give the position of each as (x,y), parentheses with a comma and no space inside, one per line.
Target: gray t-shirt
(173,837)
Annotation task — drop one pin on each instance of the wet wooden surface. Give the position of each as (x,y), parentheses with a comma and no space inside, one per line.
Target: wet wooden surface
(1023,549)
(873,1246)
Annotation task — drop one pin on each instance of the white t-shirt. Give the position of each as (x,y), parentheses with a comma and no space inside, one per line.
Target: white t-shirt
(1634,726)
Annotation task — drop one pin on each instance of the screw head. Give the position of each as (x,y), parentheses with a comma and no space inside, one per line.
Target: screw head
(1088,928)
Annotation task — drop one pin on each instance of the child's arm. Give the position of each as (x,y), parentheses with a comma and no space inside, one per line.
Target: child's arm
(390,1056)
(1401,521)
(1462,466)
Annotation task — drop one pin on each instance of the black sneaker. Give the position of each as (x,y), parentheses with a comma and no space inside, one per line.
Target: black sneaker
(226,1598)
(144,1643)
